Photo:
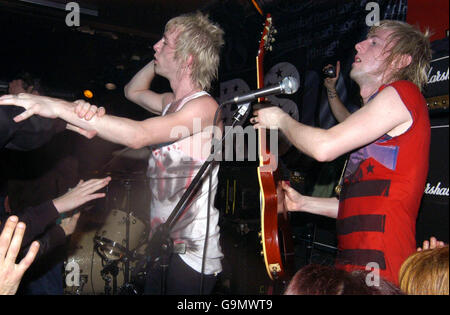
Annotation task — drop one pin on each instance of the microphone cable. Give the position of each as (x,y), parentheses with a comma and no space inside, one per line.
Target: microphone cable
(208,211)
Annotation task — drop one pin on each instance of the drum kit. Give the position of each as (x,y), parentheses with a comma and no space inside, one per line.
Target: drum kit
(107,250)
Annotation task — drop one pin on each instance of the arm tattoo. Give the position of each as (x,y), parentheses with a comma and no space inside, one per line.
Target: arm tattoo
(331,94)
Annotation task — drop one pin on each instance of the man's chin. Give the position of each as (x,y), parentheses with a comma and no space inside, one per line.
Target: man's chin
(355,75)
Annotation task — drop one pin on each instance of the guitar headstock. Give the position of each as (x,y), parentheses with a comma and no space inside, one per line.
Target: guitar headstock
(267,37)
(265,44)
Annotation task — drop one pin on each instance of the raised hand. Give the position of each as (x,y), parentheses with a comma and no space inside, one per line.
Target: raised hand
(80,194)
(330,83)
(34,104)
(431,244)
(10,272)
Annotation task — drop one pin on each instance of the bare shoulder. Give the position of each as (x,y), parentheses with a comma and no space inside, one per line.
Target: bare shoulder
(389,105)
(389,100)
(205,105)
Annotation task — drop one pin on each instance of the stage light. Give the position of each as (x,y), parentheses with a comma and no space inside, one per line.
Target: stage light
(110,86)
(88,93)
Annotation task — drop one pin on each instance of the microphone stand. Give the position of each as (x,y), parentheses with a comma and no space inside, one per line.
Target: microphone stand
(160,244)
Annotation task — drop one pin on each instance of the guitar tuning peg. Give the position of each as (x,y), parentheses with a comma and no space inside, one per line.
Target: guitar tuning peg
(272,40)
(275,31)
(270,48)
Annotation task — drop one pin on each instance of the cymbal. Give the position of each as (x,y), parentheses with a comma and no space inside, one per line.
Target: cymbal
(135,154)
(127,175)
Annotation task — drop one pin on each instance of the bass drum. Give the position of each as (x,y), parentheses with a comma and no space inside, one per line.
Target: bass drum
(95,264)
(111,238)
(84,266)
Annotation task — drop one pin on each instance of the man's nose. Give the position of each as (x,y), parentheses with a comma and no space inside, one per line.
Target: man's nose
(156,46)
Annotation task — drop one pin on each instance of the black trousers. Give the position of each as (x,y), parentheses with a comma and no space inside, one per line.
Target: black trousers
(180,279)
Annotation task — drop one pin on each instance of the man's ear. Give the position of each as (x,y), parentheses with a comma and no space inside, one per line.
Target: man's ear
(190,61)
(403,61)
(30,89)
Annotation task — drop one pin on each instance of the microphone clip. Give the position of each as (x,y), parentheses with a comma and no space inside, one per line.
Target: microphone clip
(241,112)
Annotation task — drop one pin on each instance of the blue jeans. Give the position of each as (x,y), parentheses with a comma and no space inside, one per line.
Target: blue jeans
(48,283)
(180,280)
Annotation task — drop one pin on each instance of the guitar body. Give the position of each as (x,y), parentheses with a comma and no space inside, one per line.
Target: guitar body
(276,236)
(276,233)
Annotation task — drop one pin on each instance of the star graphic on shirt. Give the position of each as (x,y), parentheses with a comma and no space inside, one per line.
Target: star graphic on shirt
(370,168)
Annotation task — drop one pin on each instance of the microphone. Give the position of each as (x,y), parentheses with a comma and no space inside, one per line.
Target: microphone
(288,85)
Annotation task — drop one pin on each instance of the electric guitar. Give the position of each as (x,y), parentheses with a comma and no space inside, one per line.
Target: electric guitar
(275,234)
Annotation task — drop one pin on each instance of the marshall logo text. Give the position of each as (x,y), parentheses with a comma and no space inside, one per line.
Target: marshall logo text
(436,190)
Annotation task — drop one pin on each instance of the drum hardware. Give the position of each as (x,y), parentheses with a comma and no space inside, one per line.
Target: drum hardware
(111,250)
(106,246)
(83,282)
(114,252)
(112,269)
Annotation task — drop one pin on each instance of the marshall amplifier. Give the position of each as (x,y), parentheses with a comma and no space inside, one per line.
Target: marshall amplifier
(437,85)
(433,218)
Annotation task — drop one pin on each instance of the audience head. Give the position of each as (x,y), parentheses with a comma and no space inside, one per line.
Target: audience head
(327,280)
(24,82)
(425,272)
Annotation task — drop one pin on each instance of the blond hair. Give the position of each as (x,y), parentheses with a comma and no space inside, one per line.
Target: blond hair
(410,41)
(425,272)
(201,39)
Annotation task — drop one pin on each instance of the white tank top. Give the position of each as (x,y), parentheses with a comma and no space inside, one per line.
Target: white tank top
(171,168)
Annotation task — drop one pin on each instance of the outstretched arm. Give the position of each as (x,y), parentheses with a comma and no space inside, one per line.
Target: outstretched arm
(47,212)
(385,114)
(131,133)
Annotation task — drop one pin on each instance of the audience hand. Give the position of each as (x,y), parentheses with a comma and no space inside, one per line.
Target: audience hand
(70,223)
(80,194)
(10,272)
(431,244)
(34,104)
